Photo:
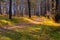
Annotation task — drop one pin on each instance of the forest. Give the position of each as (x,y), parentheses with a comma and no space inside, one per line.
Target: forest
(29,19)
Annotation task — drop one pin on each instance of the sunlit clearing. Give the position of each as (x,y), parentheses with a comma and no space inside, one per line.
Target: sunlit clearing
(42,20)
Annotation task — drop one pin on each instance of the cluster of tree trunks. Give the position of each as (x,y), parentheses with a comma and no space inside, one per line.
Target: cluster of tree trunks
(53,10)
(49,8)
(57,16)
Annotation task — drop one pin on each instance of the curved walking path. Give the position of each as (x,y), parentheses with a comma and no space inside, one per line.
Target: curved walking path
(32,22)
(43,21)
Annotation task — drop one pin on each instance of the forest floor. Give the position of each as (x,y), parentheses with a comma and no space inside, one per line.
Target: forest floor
(22,28)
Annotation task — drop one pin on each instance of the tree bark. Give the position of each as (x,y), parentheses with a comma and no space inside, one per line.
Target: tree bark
(0,8)
(57,15)
(10,9)
(29,8)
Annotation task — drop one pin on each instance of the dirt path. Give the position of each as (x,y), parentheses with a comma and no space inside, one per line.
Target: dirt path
(31,23)
(20,26)
(43,21)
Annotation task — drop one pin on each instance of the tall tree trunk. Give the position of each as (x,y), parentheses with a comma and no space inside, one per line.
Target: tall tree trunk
(14,8)
(10,9)
(57,4)
(57,15)
(0,8)
(29,8)
(22,3)
(41,7)
(38,7)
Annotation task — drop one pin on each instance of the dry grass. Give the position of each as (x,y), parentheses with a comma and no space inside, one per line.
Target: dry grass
(42,20)
(33,32)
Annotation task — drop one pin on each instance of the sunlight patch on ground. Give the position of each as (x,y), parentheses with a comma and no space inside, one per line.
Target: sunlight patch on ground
(42,20)
(5,22)
(31,21)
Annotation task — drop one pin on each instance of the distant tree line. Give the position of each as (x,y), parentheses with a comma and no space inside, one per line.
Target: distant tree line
(47,8)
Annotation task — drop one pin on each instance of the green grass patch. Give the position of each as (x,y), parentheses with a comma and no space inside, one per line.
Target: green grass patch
(7,21)
(34,32)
